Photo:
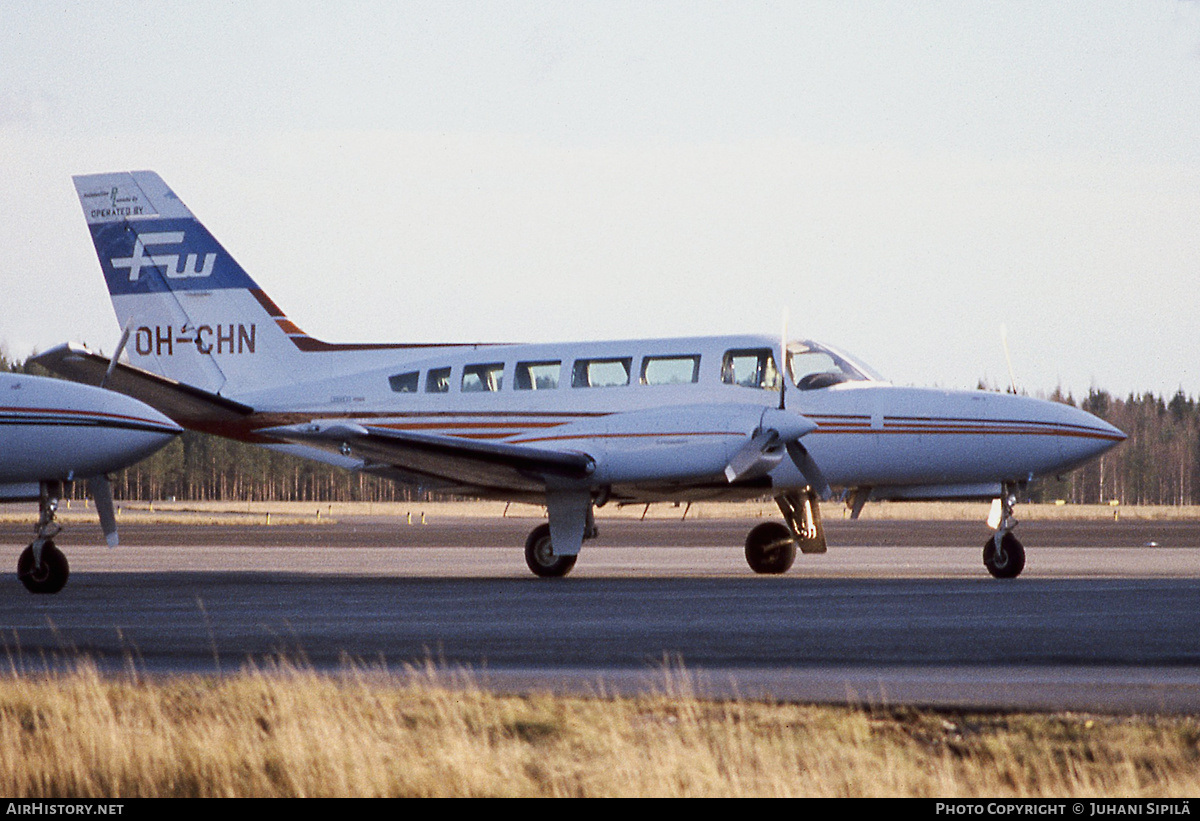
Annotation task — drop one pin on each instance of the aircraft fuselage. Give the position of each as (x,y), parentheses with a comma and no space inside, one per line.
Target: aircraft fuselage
(651,412)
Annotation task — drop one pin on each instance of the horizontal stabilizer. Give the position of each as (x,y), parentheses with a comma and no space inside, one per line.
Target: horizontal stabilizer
(187,405)
(486,466)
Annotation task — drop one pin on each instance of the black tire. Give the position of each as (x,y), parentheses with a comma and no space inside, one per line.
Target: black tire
(539,555)
(770,548)
(50,576)
(1009,562)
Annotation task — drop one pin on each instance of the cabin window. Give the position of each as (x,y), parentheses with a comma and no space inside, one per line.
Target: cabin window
(405,382)
(537,376)
(437,381)
(600,373)
(670,370)
(479,378)
(753,368)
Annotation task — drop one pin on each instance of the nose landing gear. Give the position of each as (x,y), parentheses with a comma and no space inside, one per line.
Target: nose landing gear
(1003,553)
(42,567)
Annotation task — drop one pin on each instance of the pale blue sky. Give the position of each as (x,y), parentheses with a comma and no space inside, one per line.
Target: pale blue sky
(904,177)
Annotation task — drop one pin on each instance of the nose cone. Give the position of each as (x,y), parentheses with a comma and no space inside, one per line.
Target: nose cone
(1086,437)
(1075,436)
(119,429)
(136,430)
(1038,438)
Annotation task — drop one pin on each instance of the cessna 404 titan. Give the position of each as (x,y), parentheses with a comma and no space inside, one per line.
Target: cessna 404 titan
(570,426)
(54,432)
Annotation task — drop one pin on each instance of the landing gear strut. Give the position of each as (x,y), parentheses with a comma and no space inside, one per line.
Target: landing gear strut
(1003,553)
(540,554)
(42,567)
(771,547)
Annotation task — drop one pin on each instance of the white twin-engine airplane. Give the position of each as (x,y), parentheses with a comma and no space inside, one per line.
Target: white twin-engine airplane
(571,426)
(53,433)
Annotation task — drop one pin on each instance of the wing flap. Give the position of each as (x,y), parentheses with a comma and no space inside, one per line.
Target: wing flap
(486,466)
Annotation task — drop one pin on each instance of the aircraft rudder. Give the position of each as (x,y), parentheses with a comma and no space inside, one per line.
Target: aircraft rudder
(148,241)
(192,312)
(122,195)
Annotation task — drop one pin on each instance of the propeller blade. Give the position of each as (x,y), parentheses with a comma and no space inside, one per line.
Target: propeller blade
(808,466)
(1012,380)
(101,490)
(112,363)
(756,457)
(765,449)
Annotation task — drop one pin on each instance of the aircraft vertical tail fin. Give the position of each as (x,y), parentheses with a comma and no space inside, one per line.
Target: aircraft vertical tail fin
(192,313)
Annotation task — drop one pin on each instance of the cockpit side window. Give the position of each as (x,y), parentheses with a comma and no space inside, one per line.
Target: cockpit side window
(815,369)
(750,368)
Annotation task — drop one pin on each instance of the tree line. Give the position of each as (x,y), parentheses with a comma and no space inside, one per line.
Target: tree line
(1159,464)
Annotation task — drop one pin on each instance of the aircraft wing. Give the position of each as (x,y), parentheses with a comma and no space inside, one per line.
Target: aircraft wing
(183,403)
(485,467)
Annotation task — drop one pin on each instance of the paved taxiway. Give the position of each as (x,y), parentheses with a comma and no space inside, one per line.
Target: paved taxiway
(1103,618)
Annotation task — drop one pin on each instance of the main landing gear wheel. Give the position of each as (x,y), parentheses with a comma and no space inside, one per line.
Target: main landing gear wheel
(1009,561)
(539,555)
(47,577)
(770,548)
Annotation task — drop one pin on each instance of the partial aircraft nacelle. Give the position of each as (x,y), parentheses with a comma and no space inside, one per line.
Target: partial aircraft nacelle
(682,443)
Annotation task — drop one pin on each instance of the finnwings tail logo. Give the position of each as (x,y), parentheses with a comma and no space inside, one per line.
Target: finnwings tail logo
(168,262)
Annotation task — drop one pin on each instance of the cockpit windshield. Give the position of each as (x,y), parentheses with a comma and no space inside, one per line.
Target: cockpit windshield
(814,366)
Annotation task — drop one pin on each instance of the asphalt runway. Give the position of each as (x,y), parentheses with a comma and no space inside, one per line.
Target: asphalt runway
(1104,617)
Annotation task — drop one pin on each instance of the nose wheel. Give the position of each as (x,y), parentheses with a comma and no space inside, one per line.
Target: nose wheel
(45,575)
(1003,553)
(42,567)
(1005,560)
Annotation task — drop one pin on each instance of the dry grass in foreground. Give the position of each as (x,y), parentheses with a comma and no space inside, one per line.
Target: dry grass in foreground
(290,732)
